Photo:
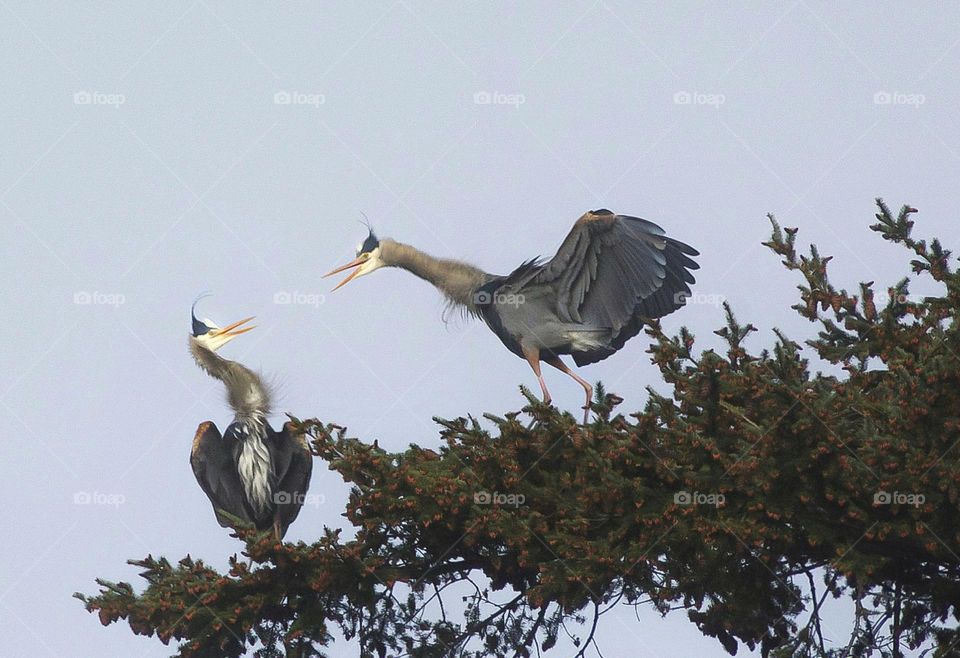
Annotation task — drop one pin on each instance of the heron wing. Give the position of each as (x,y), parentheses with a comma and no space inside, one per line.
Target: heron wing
(294,467)
(216,474)
(612,268)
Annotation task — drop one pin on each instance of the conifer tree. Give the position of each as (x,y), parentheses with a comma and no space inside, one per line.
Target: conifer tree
(760,486)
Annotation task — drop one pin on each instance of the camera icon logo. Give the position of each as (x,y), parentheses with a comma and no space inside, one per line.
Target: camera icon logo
(282,98)
(282,498)
(482,498)
(683,498)
(882,498)
(482,298)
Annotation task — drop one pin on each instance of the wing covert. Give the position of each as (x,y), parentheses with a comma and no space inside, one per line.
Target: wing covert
(611,268)
(294,467)
(212,466)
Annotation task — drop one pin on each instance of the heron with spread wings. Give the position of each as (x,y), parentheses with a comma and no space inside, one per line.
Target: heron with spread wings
(251,473)
(610,275)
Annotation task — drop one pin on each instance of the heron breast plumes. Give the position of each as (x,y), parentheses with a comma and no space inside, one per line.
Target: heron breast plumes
(254,465)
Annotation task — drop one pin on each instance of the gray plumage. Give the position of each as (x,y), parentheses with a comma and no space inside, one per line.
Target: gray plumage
(247,394)
(457,281)
(610,275)
(251,471)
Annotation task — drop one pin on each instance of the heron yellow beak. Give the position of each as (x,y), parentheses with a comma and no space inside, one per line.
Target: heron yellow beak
(232,330)
(357,262)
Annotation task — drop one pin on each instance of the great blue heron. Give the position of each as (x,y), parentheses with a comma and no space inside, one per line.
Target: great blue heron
(611,273)
(252,472)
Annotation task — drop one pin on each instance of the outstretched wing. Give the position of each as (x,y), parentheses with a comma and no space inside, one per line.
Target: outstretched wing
(294,464)
(214,469)
(611,269)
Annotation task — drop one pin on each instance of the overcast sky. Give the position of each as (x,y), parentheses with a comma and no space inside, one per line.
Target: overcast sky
(150,153)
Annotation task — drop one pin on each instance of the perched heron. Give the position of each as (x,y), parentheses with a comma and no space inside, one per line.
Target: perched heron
(252,472)
(611,273)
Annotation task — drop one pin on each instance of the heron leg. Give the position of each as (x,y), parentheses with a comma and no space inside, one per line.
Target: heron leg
(276,526)
(562,367)
(532,355)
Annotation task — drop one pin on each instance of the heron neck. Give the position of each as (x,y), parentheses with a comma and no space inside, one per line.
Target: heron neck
(457,281)
(246,393)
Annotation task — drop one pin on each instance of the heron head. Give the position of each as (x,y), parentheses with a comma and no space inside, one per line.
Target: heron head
(368,259)
(211,336)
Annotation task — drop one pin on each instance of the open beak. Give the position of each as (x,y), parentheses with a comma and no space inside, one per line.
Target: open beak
(357,262)
(232,330)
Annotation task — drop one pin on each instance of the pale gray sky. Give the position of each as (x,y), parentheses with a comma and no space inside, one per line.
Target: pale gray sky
(153,152)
